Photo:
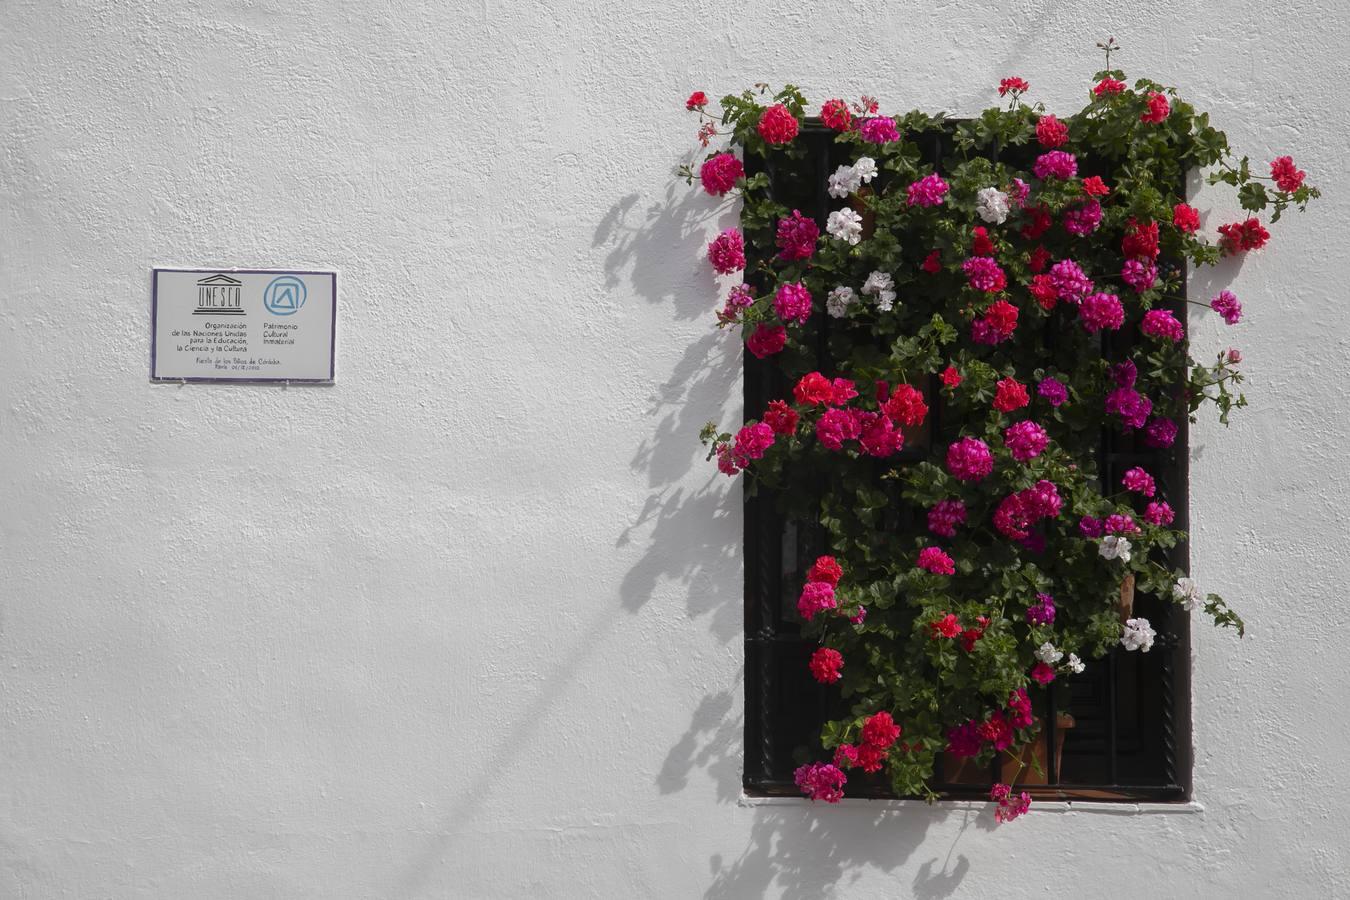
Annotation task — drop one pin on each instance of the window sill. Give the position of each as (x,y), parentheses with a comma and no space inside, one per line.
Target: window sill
(1189,807)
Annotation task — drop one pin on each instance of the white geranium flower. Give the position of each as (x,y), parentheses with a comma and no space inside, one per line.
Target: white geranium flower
(1138,635)
(1187,593)
(1115,547)
(1048,654)
(991,204)
(839,300)
(881,286)
(844,181)
(846,225)
(847,179)
(1075,664)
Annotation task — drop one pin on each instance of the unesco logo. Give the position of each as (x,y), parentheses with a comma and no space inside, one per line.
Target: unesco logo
(285,295)
(219,295)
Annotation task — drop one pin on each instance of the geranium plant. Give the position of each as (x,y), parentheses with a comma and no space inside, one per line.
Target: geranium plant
(944,279)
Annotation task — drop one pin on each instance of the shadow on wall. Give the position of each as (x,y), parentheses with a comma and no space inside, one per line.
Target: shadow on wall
(801,852)
(799,849)
(686,530)
(713,742)
(661,247)
(657,251)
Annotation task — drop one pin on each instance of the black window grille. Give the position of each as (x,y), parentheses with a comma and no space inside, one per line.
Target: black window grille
(1130,737)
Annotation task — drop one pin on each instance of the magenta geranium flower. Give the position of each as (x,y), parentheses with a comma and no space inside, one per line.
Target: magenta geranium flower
(935,561)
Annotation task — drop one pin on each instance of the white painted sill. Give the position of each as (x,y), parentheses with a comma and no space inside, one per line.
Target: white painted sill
(1190,807)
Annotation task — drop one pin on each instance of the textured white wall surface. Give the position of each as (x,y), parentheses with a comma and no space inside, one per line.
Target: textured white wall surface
(467,623)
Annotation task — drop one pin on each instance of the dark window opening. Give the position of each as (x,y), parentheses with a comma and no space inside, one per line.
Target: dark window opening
(1130,738)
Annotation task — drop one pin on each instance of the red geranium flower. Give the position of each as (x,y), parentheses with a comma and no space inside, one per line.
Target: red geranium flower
(842,391)
(781,417)
(826,569)
(1039,259)
(835,114)
(1158,109)
(777,125)
(948,627)
(814,389)
(825,665)
(1010,394)
(697,100)
(870,758)
(767,340)
(1012,86)
(1288,177)
(1140,240)
(997,731)
(1186,218)
(1238,237)
(880,731)
(1051,132)
(1039,223)
(1043,289)
(905,406)
(719,173)
(1093,186)
(999,322)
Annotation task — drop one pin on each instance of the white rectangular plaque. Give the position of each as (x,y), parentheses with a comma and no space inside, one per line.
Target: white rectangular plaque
(242,325)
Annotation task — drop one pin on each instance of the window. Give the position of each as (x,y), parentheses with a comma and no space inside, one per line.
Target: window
(1129,738)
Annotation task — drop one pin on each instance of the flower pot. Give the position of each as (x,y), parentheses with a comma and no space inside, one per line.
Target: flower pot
(858,202)
(1033,756)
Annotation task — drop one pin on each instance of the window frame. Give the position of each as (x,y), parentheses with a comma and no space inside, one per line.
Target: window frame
(773,641)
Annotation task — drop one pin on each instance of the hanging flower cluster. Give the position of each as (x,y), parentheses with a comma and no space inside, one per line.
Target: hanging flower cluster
(997,289)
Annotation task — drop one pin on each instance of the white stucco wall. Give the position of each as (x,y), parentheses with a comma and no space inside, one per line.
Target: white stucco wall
(467,623)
